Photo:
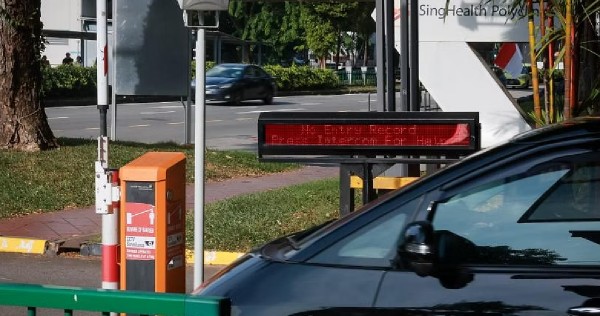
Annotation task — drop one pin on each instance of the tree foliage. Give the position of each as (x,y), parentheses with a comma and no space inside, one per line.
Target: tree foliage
(575,42)
(290,27)
(276,25)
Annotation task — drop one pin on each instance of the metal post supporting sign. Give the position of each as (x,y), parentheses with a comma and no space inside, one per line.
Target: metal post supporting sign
(199,7)
(199,147)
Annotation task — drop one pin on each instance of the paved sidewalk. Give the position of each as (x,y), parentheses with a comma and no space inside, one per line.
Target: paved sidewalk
(79,223)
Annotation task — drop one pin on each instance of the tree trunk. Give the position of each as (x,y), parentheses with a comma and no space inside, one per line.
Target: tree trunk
(23,122)
(366,51)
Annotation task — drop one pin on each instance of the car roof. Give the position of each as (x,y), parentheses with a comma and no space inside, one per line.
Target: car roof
(233,65)
(569,129)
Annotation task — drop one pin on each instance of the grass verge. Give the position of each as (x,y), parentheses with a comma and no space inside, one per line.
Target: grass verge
(244,222)
(64,178)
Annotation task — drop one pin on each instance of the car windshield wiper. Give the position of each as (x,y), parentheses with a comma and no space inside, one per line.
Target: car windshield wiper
(292,242)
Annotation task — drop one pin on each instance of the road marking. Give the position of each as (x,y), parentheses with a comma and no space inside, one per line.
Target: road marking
(267,111)
(141,125)
(366,101)
(157,112)
(214,121)
(58,117)
(176,123)
(166,107)
(92,128)
(243,118)
(314,103)
(243,107)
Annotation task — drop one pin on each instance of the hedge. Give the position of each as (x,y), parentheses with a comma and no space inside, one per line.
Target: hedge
(68,81)
(296,78)
(75,81)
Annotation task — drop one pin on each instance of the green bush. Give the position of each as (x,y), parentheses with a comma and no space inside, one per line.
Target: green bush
(68,81)
(208,65)
(75,81)
(302,78)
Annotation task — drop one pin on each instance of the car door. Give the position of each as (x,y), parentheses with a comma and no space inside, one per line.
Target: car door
(346,274)
(522,239)
(264,83)
(250,83)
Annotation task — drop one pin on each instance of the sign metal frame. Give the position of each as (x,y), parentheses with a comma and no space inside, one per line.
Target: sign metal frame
(268,151)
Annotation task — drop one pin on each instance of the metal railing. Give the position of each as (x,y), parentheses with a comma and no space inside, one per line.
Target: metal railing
(357,77)
(70,299)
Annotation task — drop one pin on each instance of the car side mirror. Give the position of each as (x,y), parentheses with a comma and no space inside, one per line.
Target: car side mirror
(417,249)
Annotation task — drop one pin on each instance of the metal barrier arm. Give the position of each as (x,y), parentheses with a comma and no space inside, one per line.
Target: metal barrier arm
(99,300)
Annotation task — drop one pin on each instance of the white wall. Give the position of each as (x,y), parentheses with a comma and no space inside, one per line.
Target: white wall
(61,15)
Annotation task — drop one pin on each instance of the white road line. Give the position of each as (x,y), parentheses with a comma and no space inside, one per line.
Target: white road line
(214,121)
(141,125)
(243,107)
(266,111)
(176,123)
(157,112)
(92,128)
(58,117)
(167,107)
(243,119)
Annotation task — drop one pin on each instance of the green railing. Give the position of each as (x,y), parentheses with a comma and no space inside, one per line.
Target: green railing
(357,78)
(69,299)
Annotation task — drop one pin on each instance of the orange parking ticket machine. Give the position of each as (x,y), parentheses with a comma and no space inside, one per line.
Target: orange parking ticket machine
(153,223)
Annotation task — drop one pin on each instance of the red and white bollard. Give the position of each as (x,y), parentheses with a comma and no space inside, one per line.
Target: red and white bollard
(110,238)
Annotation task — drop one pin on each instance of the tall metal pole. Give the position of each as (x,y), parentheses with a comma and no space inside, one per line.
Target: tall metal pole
(404,55)
(199,148)
(188,103)
(413,50)
(390,82)
(102,63)
(380,54)
(110,224)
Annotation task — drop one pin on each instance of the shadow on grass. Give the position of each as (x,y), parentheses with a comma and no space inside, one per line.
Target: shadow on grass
(87,142)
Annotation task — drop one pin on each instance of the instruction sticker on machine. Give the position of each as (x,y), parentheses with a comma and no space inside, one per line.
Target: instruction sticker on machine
(140,239)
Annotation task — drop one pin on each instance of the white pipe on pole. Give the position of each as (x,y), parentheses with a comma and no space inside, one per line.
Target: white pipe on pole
(101,53)
(199,149)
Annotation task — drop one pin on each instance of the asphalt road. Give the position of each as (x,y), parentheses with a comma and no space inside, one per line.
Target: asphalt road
(227,127)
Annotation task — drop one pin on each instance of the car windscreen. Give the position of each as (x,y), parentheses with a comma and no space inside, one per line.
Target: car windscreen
(225,72)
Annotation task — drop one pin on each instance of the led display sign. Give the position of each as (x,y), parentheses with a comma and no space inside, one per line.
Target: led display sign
(368,133)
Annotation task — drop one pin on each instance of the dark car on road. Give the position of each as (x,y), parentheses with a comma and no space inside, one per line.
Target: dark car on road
(511,230)
(235,83)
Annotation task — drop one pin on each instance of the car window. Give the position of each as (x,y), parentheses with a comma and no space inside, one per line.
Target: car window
(224,72)
(249,72)
(372,245)
(546,215)
(261,73)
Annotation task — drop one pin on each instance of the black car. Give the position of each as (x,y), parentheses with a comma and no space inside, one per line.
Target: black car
(511,230)
(235,83)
